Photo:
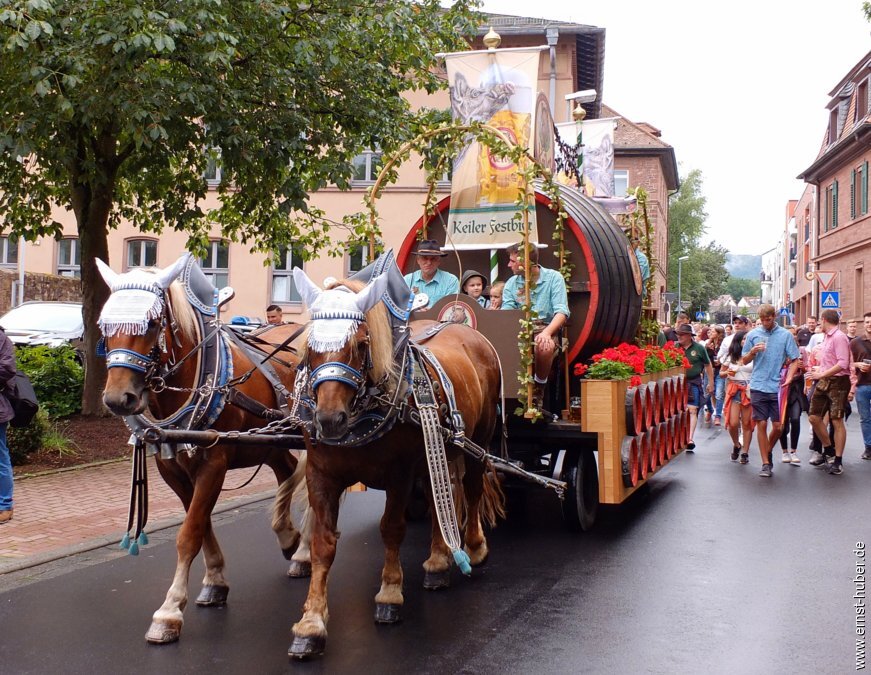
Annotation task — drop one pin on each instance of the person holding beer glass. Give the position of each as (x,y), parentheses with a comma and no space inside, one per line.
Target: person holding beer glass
(768,347)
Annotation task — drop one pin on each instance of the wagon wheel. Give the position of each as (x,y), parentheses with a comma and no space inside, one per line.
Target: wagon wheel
(581,501)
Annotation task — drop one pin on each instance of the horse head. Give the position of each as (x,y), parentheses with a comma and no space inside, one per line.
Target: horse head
(339,355)
(135,332)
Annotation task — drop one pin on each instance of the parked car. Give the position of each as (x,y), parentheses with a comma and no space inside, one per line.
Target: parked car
(45,323)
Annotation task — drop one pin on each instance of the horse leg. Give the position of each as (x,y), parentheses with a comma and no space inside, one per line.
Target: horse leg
(437,568)
(310,632)
(473,486)
(196,529)
(389,599)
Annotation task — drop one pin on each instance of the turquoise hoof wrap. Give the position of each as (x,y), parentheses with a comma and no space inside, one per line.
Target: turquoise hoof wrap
(125,541)
(143,539)
(463,561)
(134,549)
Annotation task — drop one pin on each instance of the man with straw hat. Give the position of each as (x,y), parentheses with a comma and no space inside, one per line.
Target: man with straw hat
(429,278)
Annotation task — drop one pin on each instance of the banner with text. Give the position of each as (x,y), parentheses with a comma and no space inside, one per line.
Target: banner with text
(498,88)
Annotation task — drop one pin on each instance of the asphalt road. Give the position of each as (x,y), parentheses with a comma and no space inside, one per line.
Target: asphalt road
(711,569)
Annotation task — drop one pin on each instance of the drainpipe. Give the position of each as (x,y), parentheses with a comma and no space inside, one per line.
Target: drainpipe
(552,35)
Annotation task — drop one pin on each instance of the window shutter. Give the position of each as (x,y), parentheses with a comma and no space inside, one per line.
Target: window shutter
(852,194)
(835,204)
(864,188)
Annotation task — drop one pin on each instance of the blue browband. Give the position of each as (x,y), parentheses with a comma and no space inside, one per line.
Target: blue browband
(127,358)
(336,371)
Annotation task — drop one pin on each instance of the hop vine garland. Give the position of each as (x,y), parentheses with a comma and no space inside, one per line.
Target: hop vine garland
(452,138)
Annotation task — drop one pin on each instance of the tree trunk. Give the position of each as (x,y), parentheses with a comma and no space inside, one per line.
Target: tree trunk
(92,206)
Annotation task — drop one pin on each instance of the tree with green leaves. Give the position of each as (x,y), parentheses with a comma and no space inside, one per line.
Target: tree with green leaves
(739,288)
(113,109)
(703,274)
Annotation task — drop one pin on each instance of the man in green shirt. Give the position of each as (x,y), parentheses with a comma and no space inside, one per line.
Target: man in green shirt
(697,355)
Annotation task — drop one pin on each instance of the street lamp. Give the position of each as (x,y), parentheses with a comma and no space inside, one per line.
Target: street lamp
(679,266)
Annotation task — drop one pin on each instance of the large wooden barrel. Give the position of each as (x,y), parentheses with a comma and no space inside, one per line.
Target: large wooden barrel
(634,411)
(605,286)
(644,454)
(629,460)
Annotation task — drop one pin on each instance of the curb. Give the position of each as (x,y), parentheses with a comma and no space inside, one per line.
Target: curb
(110,540)
(67,469)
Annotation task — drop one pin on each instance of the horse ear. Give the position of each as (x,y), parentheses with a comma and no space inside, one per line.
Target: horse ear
(166,276)
(371,295)
(106,272)
(307,289)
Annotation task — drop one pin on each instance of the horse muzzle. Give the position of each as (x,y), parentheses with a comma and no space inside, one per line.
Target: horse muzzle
(125,401)
(331,425)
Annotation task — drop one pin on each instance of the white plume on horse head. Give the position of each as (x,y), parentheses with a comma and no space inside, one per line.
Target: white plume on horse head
(109,275)
(306,287)
(336,313)
(166,276)
(137,297)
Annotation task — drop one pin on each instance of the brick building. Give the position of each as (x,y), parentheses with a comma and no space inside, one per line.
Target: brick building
(642,158)
(839,220)
(801,218)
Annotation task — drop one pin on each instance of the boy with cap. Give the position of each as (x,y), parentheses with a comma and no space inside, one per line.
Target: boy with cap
(473,285)
(429,278)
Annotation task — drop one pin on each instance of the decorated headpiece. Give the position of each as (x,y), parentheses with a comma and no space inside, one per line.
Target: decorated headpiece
(137,297)
(336,314)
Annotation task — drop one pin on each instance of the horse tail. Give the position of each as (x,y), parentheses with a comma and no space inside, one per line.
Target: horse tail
(291,499)
(493,498)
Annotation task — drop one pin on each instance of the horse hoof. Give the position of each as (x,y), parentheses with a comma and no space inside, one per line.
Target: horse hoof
(387,612)
(434,581)
(307,647)
(299,569)
(163,633)
(213,596)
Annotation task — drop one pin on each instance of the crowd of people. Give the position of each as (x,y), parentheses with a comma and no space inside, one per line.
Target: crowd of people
(759,377)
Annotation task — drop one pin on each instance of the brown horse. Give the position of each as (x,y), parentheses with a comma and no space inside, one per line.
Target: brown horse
(168,357)
(349,350)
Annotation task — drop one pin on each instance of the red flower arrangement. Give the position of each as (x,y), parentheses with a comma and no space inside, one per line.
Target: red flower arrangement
(628,361)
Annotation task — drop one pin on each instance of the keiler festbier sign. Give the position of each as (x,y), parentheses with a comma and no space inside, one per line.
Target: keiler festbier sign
(499,88)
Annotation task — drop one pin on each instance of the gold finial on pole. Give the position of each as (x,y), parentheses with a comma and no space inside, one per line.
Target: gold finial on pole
(578,114)
(492,39)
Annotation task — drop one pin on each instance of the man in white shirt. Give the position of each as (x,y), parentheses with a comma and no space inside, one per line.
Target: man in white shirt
(740,323)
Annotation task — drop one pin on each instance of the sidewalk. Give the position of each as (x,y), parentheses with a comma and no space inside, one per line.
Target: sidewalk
(69,512)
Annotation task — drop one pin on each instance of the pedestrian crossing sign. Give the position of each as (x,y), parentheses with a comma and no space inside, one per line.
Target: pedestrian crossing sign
(830,299)
(784,312)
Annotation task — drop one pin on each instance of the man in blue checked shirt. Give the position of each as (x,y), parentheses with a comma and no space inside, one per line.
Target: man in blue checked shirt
(769,347)
(429,278)
(550,302)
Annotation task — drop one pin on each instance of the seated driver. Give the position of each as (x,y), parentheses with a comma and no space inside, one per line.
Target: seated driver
(549,300)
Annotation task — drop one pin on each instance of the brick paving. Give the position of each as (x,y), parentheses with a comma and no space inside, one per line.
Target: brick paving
(71,511)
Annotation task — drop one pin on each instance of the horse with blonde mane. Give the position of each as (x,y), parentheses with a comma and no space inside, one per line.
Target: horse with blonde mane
(168,356)
(352,350)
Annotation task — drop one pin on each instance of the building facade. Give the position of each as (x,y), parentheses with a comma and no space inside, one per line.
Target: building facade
(840,223)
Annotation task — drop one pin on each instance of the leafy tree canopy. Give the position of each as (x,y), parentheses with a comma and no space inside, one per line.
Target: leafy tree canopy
(703,274)
(739,288)
(113,108)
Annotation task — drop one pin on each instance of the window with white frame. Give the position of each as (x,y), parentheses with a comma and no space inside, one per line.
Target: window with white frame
(212,174)
(216,264)
(366,166)
(358,256)
(9,251)
(69,258)
(283,288)
(141,253)
(621,182)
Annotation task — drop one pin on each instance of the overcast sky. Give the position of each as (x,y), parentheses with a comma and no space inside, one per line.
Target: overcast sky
(738,88)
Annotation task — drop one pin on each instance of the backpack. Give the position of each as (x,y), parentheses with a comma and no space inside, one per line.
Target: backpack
(22,397)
